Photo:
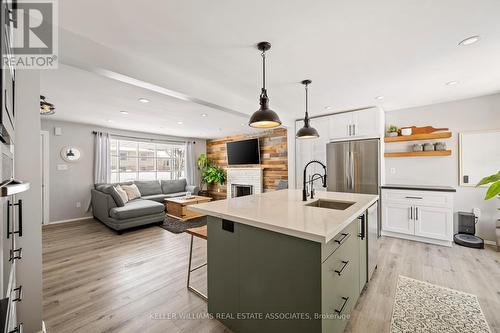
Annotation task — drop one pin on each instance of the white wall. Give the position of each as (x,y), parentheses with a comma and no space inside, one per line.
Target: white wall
(70,186)
(464,115)
(27,168)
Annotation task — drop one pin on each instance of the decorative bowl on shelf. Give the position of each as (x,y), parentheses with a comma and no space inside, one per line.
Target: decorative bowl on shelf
(440,146)
(417,147)
(392,134)
(406,131)
(428,147)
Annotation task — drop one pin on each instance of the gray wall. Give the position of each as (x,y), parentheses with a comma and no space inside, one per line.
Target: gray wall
(27,168)
(67,187)
(479,113)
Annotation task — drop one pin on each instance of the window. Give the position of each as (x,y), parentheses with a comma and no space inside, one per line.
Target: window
(136,160)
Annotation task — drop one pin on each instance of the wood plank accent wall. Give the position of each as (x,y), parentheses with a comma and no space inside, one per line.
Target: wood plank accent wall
(273,157)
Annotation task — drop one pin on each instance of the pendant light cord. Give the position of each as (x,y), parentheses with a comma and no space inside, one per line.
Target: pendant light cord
(307,102)
(264,70)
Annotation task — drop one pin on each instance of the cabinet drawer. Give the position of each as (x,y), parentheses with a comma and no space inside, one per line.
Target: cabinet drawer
(339,240)
(340,289)
(427,198)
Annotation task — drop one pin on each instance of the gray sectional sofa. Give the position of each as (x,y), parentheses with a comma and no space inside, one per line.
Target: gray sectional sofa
(147,209)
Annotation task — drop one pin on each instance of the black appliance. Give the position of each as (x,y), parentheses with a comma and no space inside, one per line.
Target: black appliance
(243,152)
(467,230)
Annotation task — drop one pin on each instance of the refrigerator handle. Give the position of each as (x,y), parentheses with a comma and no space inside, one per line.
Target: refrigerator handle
(351,169)
(346,168)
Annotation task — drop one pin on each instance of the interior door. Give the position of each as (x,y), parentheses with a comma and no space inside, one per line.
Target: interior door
(337,160)
(365,166)
(433,222)
(397,217)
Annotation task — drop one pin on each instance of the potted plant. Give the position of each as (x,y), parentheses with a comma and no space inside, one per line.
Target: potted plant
(214,175)
(203,163)
(392,130)
(494,189)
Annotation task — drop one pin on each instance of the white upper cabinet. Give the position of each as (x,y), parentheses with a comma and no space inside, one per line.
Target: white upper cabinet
(367,123)
(360,124)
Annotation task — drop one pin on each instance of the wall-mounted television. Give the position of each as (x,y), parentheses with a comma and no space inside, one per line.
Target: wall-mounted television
(243,152)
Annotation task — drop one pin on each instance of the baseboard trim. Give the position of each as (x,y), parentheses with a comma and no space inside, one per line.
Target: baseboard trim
(490,242)
(71,220)
(417,238)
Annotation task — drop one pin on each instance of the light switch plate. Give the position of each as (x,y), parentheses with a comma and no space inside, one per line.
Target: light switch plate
(61,167)
(57,131)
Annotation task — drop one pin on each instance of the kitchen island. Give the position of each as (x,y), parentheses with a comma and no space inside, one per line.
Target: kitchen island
(278,264)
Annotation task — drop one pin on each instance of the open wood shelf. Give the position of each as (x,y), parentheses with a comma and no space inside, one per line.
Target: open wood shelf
(415,137)
(419,153)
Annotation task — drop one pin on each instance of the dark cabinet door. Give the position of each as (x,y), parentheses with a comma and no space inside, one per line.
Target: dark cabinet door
(223,276)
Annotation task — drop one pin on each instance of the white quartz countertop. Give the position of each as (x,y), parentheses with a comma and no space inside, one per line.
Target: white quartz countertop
(285,212)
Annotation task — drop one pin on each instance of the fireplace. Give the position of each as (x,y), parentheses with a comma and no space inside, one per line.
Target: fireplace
(238,190)
(243,181)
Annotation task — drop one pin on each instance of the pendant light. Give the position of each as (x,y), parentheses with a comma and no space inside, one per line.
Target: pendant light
(307,132)
(264,117)
(46,108)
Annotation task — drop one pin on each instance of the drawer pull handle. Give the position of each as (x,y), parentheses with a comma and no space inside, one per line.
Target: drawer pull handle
(341,240)
(414,198)
(13,255)
(345,263)
(19,291)
(343,305)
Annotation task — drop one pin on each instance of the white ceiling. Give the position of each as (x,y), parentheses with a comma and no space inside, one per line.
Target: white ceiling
(352,50)
(85,97)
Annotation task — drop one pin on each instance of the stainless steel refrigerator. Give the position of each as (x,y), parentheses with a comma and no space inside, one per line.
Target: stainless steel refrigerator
(354,166)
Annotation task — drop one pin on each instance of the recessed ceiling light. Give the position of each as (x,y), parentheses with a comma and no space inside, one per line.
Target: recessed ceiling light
(123,112)
(469,41)
(379,98)
(109,121)
(328,107)
(451,83)
(203,114)
(243,124)
(143,100)
(180,123)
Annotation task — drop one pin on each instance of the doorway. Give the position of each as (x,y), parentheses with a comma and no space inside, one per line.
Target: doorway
(44,155)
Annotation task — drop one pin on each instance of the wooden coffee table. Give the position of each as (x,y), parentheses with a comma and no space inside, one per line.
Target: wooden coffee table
(178,207)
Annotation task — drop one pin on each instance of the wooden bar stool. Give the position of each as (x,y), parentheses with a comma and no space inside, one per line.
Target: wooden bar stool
(200,232)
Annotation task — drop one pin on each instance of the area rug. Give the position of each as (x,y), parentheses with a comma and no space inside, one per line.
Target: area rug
(424,307)
(174,225)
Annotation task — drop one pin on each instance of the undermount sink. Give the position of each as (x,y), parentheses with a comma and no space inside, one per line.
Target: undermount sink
(330,204)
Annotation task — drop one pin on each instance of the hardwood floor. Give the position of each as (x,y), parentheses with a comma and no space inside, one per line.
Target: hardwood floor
(97,281)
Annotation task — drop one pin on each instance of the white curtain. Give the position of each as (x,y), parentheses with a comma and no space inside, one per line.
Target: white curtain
(102,158)
(190,167)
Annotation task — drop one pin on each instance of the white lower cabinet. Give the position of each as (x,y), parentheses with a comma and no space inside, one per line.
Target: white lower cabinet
(434,222)
(418,215)
(396,218)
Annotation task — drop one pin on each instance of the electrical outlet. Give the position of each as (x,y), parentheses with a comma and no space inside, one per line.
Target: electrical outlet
(393,171)
(476,212)
(62,167)
(78,204)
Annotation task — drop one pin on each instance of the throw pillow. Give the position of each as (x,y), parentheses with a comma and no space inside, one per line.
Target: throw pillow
(123,195)
(132,191)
